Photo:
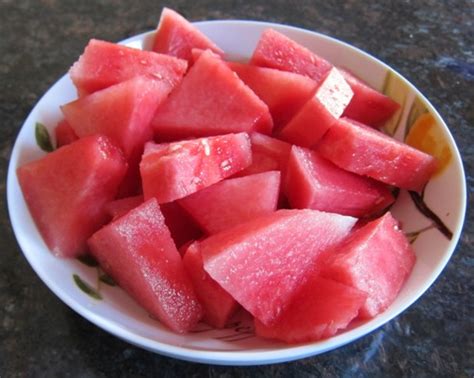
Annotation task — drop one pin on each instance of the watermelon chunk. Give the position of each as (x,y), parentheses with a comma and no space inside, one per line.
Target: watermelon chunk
(104,64)
(319,309)
(67,199)
(182,168)
(137,251)
(366,151)
(211,100)
(318,114)
(275,50)
(315,183)
(233,201)
(377,259)
(368,106)
(64,134)
(268,154)
(263,262)
(181,226)
(284,92)
(117,208)
(218,305)
(176,36)
(122,112)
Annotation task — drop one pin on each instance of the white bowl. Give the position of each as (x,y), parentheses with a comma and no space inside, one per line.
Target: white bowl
(118,314)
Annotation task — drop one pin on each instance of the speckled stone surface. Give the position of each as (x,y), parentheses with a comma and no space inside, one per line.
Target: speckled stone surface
(429,42)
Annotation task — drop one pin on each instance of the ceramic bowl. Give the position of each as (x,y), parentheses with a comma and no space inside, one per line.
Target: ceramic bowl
(433,239)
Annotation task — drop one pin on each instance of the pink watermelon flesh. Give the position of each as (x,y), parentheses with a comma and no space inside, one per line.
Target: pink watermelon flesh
(185,167)
(319,113)
(176,36)
(368,105)
(64,134)
(315,183)
(196,53)
(263,262)
(104,64)
(376,259)
(182,227)
(319,309)
(211,100)
(268,154)
(366,151)
(218,305)
(275,50)
(67,199)
(137,251)
(233,201)
(122,112)
(117,208)
(283,92)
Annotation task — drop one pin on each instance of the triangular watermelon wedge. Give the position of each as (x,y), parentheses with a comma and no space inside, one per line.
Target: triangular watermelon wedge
(275,50)
(320,112)
(122,112)
(376,259)
(313,182)
(233,201)
(263,262)
(104,64)
(178,169)
(366,151)
(284,92)
(67,189)
(176,36)
(211,100)
(137,251)
(368,105)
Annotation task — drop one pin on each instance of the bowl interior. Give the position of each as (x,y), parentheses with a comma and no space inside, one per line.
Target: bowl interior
(117,313)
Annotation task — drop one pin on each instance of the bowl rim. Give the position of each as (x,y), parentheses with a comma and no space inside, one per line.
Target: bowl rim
(254,357)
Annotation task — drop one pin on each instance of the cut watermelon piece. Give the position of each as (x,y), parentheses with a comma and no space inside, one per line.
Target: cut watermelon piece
(185,167)
(275,50)
(218,305)
(183,229)
(67,199)
(328,103)
(313,182)
(319,309)
(116,209)
(211,100)
(268,154)
(176,36)
(234,201)
(122,112)
(366,151)
(283,92)
(104,64)
(181,226)
(377,259)
(368,105)
(137,251)
(64,134)
(262,263)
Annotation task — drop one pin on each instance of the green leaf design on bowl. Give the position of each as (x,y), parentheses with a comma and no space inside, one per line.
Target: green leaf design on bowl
(43,139)
(86,288)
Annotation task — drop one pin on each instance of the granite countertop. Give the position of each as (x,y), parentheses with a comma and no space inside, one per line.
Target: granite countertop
(429,42)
